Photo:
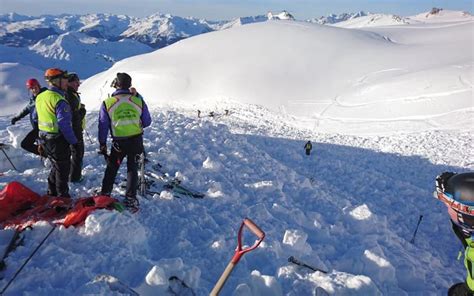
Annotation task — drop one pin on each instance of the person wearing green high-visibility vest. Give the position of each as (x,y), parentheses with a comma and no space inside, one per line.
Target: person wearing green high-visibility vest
(124,114)
(457,192)
(55,130)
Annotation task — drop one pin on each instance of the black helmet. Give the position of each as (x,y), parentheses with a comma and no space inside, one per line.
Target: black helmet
(122,81)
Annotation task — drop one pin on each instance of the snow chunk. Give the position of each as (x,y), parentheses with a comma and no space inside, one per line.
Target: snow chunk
(260,184)
(296,239)
(259,284)
(361,212)
(211,165)
(376,259)
(166,195)
(156,277)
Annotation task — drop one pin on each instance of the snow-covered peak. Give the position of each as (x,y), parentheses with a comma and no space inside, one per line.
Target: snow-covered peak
(14,17)
(373,20)
(333,18)
(159,30)
(442,15)
(284,15)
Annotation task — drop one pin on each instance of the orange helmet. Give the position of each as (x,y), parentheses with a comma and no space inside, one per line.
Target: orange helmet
(53,73)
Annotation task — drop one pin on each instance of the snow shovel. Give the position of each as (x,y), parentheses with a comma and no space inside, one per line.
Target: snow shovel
(239,252)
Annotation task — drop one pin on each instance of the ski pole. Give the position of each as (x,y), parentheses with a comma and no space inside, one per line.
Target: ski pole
(239,252)
(6,155)
(416,229)
(297,262)
(27,260)
(89,137)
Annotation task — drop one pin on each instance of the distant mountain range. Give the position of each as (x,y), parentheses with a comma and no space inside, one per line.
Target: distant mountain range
(92,43)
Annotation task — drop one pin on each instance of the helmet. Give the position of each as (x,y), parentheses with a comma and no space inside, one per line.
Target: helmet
(72,77)
(123,81)
(30,83)
(457,192)
(53,73)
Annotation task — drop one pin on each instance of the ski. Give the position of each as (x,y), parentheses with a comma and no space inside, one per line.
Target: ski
(115,284)
(173,185)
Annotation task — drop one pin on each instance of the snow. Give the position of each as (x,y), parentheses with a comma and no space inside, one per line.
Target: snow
(378,84)
(392,122)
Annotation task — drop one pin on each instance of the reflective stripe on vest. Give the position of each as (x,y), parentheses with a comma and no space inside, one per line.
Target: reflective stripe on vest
(46,103)
(125,113)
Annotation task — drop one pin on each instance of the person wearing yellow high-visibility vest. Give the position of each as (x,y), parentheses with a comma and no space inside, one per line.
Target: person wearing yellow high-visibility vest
(78,112)
(55,130)
(125,115)
(457,192)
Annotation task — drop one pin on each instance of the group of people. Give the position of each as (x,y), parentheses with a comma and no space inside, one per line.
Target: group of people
(57,117)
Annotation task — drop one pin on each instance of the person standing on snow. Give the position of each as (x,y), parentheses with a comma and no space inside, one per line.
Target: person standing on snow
(28,142)
(457,192)
(308,146)
(125,115)
(55,130)
(78,112)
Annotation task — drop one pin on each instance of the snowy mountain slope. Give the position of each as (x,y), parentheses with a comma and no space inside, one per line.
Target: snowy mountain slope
(438,15)
(373,20)
(334,18)
(160,30)
(354,220)
(379,78)
(13,93)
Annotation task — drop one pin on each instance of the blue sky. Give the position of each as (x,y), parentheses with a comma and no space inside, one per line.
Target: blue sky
(228,9)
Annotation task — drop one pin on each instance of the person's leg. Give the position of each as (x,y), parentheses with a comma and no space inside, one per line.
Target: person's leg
(48,151)
(77,154)
(113,164)
(28,142)
(62,157)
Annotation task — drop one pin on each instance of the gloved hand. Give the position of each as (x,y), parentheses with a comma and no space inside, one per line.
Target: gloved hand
(103,149)
(82,111)
(14,120)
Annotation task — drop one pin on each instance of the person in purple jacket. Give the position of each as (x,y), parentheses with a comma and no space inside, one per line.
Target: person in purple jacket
(124,114)
(55,130)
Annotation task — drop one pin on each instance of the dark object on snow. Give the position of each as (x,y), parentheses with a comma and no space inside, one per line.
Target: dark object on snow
(178,287)
(297,262)
(27,260)
(239,252)
(2,146)
(308,146)
(416,229)
(199,113)
(459,289)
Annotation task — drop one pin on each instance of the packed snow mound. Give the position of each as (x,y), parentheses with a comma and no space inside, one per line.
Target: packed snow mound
(13,93)
(332,79)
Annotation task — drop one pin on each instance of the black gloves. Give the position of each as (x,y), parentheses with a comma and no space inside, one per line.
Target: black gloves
(103,149)
(14,120)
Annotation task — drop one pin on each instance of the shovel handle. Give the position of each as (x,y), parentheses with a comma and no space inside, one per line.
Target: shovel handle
(254,228)
(220,283)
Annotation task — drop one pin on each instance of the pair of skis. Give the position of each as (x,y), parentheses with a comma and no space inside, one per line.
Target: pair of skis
(148,179)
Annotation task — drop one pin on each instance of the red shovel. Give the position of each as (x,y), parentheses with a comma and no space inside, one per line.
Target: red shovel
(239,252)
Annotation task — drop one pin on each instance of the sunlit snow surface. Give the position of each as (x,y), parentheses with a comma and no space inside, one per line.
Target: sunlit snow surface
(350,208)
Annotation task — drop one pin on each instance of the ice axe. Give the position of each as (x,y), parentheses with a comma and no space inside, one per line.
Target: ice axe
(239,252)
(297,262)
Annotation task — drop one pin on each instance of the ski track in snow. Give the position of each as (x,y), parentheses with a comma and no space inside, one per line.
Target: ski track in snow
(355,219)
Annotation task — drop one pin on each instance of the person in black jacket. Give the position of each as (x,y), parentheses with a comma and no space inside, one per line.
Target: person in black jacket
(78,111)
(28,142)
